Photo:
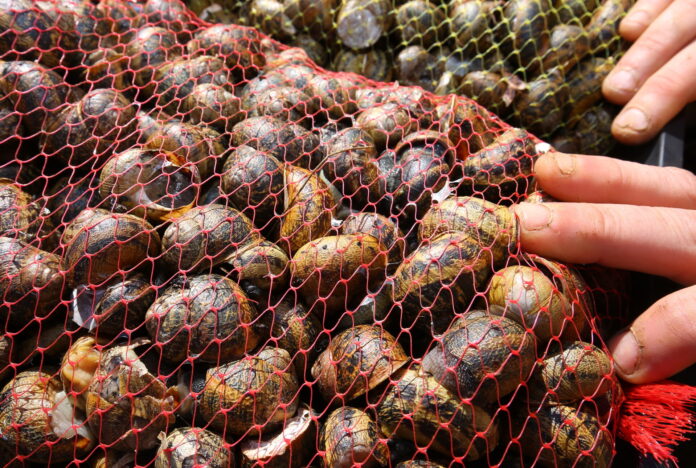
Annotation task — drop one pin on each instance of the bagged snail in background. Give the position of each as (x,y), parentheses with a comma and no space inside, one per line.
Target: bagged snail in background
(216,253)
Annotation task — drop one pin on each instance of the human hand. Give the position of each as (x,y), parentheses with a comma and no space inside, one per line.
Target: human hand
(656,77)
(629,216)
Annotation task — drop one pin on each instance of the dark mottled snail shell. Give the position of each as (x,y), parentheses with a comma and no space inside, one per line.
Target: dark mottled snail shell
(27,32)
(214,105)
(431,407)
(123,306)
(208,318)
(314,49)
(38,421)
(539,106)
(415,66)
(604,25)
(99,244)
(576,12)
(21,217)
(187,446)
(108,68)
(357,360)
(256,86)
(204,236)
(585,84)
(337,94)
(420,22)
(494,225)
(438,279)
(386,123)
(286,103)
(485,359)
(568,44)
(360,24)
(169,14)
(381,228)
(593,131)
(351,436)
(528,23)
(472,23)
(149,49)
(239,46)
(374,64)
(260,267)
(226,400)
(313,15)
(468,126)
(128,406)
(269,16)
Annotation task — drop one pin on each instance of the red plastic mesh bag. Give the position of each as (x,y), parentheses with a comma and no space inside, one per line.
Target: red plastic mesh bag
(213,252)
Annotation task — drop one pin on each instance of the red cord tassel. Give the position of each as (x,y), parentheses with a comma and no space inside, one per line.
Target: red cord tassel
(655,417)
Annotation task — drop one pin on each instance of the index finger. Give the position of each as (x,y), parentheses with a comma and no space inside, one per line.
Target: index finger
(640,16)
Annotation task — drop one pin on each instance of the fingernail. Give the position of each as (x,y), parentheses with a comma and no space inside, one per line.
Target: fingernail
(534,216)
(633,119)
(636,18)
(626,351)
(566,163)
(623,79)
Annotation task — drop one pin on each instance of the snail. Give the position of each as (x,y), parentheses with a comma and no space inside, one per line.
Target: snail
(386,123)
(575,11)
(357,360)
(495,226)
(351,167)
(314,49)
(87,132)
(350,436)
(258,391)
(415,66)
(150,48)
(539,106)
(315,16)
(123,306)
(381,228)
(528,22)
(257,85)
(31,282)
(193,445)
(26,32)
(21,217)
(336,93)
(485,359)
(157,184)
(285,141)
(260,267)
(286,103)
(213,105)
(469,127)
(585,84)
(38,422)
(108,68)
(127,406)
(99,244)
(503,168)
(593,131)
(10,128)
(239,46)
(204,236)
(335,272)
(437,420)
(360,24)
(495,91)
(269,16)
(568,44)
(208,318)
(309,207)
(78,367)
(170,14)
(439,278)
(604,24)
(418,464)
(419,22)
(125,16)
(5,355)
(472,24)
(289,448)
(374,63)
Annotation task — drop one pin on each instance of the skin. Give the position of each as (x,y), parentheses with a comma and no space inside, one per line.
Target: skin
(629,216)
(654,79)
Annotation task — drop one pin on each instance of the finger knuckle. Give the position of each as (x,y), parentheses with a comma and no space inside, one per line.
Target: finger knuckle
(686,181)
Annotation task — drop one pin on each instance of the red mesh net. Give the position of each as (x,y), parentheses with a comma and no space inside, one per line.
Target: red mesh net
(216,253)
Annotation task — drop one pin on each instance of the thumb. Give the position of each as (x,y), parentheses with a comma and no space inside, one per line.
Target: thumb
(660,342)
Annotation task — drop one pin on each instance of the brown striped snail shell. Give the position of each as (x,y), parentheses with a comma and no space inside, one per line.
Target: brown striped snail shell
(360,24)
(575,11)
(386,123)
(351,436)
(357,360)
(99,244)
(27,32)
(336,272)
(21,217)
(585,84)
(415,66)
(289,448)
(215,106)
(503,168)
(239,46)
(78,367)
(337,94)
(604,24)
(438,279)
(315,16)
(187,446)
(286,103)
(314,49)
(308,205)
(128,406)
(472,23)
(560,435)
(197,145)
(31,283)
(485,359)
(170,14)
(351,167)
(10,128)
(125,16)
(257,85)
(568,44)
(150,48)
(38,421)
(157,184)
(381,228)
(528,22)
(260,267)
(431,407)
(420,22)
(285,141)
(374,64)
(108,68)
(292,74)
(225,403)
(468,126)
(269,16)
(494,225)
(123,306)
(539,106)
(204,236)
(493,90)
(87,132)
(208,318)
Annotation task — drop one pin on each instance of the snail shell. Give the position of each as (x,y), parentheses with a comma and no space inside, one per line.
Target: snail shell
(472,23)
(338,271)
(90,130)
(109,69)
(214,105)
(386,123)
(494,225)
(21,217)
(27,32)
(529,24)
(127,406)
(261,268)
(286,103)
(568,44)
(360,24)
(313,15)
(38,422)
(374,64)
(158,184)
(539,106)
(99,244)
(296,330)
(204,236)
(337,94)
(258,391)
(269,16)
(468,126)
(585,84)
(420,22)
(151,48)
(5,355)
(350,436)
(581,370)
(438,279)
(575,11)
(309,208)
(209,318)
(285,141)
(415,66)
(437,419)
(313,48)
(123,306)
(593,131)
(381,228)
(504,167)
(10,128)
(188,446)
(357,360)
(418,464)
(78,367)
(485,359)
(239,46)
(170,14)
(604,25)
(257,85)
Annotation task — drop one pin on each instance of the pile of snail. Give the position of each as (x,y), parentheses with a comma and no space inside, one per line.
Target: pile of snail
(214,253)
(535,63)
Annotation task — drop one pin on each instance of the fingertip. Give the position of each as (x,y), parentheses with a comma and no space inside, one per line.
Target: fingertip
(634,24)
(633,126)
(620,85)
(553,165)
(626,351)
